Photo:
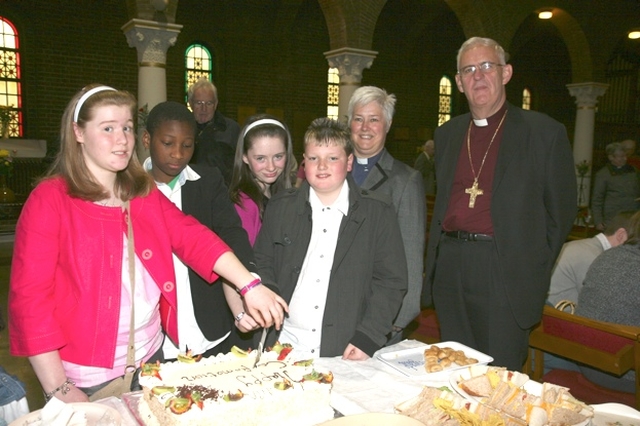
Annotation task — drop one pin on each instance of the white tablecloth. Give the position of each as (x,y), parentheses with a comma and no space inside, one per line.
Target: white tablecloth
(372,386)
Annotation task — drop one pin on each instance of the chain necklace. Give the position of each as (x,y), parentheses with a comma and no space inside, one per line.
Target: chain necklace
(474,191)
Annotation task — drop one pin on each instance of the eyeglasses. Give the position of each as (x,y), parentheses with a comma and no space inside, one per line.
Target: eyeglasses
(201,104)
(485,68)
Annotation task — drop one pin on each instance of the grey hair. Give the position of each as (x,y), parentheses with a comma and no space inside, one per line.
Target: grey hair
(203,83)
(482,41)
(367,94)
(614,147)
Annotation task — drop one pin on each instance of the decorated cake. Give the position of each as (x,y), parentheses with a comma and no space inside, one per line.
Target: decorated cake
(227,389)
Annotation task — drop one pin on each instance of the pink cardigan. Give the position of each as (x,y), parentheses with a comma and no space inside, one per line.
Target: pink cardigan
(67,264)
(250,217)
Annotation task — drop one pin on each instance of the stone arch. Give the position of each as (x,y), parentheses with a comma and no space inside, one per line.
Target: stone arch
(577,45)
(351,24)
(500,21)
(154,10)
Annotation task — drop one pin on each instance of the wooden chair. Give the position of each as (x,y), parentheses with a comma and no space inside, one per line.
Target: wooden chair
(608,347)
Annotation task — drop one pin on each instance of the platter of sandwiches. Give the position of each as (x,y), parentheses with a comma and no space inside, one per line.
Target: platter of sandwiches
(495,396)
(434,362)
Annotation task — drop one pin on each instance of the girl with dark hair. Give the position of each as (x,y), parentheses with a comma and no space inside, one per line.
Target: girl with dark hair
(263,165)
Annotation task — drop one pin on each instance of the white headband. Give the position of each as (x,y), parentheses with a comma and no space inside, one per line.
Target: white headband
(260,123)
(86,96)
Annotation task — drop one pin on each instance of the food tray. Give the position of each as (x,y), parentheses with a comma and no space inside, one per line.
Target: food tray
(410,362)
(530,386)
(456,377)
(614,414)
(96,414)
(373,419)
(132,400)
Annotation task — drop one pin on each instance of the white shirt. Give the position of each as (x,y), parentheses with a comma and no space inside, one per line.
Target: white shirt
(606,245)
(303,327)
(190,335)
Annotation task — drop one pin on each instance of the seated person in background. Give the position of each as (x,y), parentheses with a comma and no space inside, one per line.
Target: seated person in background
(217,135)
(204,319)
(611,293)
(629,146)
(576,257)
(616,187)
(334,252)
(13,395)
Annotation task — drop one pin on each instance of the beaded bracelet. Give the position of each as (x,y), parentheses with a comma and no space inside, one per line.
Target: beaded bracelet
(249,286)
(64,388)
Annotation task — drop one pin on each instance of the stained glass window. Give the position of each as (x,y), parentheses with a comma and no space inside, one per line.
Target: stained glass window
(526,99)
(198,64)
(444,101)
(333,93)
(10,88)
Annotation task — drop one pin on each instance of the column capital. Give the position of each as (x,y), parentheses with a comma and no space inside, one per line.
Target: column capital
(350,63)
(151,39)
(587,94)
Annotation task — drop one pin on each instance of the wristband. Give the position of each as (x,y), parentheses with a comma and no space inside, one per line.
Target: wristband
(64,388)
(249,286)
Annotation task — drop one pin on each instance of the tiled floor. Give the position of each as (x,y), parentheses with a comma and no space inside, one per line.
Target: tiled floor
(17,366)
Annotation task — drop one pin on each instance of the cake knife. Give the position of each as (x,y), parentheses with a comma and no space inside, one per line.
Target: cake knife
(263,337)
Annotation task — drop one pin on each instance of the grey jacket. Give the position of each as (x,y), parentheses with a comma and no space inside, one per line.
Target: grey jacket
(614,193)
(368,277)
(403,185)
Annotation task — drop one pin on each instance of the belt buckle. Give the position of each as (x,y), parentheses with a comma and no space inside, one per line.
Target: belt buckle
(465,236)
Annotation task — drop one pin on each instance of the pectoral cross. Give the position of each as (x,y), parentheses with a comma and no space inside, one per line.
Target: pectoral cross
(473,192)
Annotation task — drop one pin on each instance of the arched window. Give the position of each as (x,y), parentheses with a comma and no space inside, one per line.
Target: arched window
(10,88)
(526,99)
(333,93)
(198,64)
(444,101)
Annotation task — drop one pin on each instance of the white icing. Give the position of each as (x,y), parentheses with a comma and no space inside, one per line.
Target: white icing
(306,403)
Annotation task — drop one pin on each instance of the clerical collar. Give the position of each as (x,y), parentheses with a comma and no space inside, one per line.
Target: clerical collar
(362,167)
(371,161)
(484,122)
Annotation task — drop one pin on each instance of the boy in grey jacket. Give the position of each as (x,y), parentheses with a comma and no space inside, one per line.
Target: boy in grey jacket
(334,252)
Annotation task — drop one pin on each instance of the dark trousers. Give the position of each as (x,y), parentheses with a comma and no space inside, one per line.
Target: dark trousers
(470,298)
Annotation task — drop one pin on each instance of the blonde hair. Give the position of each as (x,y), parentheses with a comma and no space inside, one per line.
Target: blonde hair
(70,164)
(325,131)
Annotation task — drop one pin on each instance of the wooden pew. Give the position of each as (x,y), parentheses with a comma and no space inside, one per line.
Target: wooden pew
(612,348)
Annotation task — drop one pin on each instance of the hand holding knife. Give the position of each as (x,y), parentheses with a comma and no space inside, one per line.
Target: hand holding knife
(263,337)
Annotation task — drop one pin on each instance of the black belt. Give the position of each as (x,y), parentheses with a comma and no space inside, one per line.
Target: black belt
(468,236)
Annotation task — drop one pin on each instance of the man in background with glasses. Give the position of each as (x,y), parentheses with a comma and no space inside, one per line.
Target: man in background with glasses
(506,201)
(217,135)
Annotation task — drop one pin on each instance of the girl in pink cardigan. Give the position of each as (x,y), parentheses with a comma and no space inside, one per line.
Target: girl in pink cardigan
(70,293)
(262,167)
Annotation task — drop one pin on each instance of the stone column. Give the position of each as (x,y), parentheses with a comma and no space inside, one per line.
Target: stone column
(350,63)
(152,40)
(586,95)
